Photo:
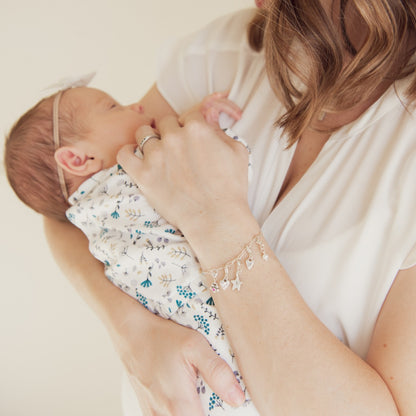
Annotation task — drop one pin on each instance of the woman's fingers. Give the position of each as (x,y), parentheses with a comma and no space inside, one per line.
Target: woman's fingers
(146,139)
(187,407)
(162,375)
(177,405)
(195,162)
(132,164)
(190,116)
(169,124)
(126,157)
(145,135)
(217,374)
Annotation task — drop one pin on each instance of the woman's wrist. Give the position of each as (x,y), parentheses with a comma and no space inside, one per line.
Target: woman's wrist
(218,236)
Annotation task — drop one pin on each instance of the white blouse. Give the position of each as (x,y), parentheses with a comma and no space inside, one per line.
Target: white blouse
(348,226)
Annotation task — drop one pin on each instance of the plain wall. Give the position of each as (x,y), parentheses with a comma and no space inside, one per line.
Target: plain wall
(55,356)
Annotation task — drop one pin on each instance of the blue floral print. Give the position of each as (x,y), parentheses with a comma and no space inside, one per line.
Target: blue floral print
(151,261)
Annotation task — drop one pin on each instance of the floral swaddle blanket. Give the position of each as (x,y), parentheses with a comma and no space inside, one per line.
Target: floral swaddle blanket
(151,261)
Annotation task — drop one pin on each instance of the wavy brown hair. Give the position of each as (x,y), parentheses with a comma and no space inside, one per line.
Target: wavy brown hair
(303,43)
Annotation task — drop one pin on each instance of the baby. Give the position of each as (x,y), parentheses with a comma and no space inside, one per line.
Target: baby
(67,145)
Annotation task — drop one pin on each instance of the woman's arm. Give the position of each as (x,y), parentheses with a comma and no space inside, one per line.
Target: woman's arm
(155,104)
(291,362)
(392,349)
(294,365)
(161,357)
(69,247)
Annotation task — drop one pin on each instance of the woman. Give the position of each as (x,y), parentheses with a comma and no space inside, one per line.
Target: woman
(326,325)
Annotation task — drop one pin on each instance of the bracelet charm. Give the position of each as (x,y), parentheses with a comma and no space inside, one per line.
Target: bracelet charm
(246,257)
(225,281)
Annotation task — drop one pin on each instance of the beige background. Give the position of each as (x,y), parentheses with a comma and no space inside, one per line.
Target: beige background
(55,357)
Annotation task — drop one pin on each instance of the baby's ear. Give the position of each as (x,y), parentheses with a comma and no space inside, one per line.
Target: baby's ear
(75,161)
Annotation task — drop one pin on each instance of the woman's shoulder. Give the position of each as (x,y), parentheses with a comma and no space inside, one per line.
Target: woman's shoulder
(204,62)
(224,32)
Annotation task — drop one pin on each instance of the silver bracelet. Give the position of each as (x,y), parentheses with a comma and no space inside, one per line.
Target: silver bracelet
(245,257)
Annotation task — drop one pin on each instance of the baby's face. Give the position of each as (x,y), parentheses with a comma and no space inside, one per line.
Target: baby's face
(109,124)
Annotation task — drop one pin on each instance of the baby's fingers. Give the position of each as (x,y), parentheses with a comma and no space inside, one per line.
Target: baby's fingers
(212,110)
(229,107)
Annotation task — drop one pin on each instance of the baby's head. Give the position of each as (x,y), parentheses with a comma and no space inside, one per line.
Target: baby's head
(90,128)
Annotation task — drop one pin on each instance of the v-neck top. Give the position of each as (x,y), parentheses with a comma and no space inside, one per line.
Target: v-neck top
(348,226)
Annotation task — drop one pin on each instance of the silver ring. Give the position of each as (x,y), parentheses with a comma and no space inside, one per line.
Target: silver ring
(146,138)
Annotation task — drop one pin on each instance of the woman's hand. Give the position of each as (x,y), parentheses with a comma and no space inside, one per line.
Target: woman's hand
(162,361)
(195,174)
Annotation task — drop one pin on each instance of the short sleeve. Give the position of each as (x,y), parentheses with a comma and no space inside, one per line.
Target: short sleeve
(204,62)
(410,260)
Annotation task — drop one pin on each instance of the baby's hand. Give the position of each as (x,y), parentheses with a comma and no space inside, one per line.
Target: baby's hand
(214,104)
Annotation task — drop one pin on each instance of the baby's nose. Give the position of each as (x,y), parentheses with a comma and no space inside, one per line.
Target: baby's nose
(137,107)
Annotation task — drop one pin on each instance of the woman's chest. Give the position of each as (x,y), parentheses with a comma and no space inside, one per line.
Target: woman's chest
(343,227)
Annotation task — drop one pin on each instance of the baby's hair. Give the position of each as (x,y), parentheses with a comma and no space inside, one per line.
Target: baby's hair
(29,156)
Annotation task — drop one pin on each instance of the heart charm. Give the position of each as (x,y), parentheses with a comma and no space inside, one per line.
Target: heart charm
(224,284)
(249,263)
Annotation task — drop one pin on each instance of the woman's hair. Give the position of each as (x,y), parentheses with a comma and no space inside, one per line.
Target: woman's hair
(29,157)
(306,54)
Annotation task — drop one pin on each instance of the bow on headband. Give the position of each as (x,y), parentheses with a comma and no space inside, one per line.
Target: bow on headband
(71,82)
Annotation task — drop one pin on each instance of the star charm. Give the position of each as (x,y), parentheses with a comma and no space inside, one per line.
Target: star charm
(237,283)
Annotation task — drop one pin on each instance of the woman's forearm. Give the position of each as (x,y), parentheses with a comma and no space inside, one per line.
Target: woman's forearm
(69,247)
(162,358)
(292,364)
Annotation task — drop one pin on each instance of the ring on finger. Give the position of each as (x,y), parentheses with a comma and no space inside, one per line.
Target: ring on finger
(146,138)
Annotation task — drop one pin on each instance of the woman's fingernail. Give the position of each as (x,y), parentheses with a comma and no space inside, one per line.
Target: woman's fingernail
(236,396)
